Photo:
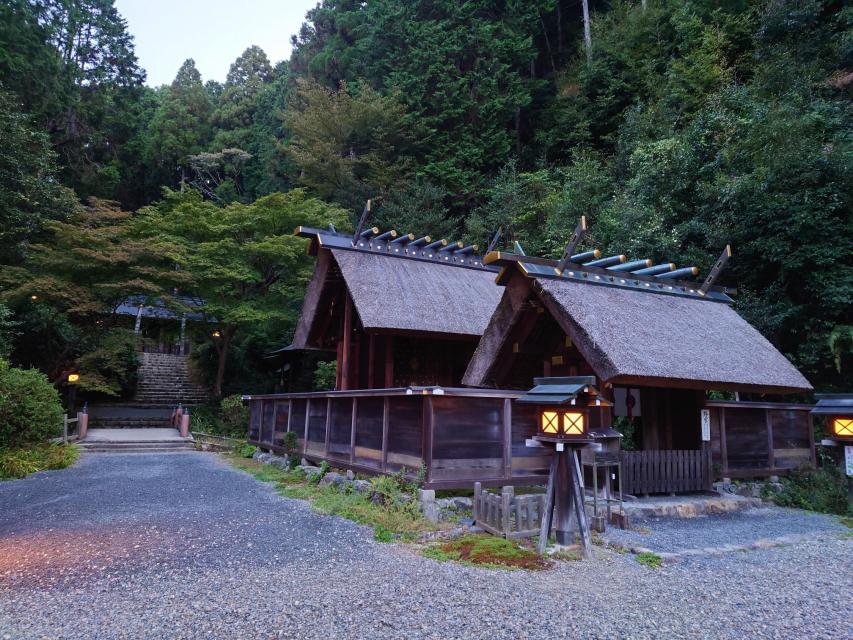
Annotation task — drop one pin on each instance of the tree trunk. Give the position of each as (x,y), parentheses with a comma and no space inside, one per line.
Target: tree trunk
(587,34)
(222,343)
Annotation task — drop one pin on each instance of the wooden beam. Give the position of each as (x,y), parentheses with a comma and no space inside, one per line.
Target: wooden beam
(716,270)
(771,457)
(507,438)
(724,447)
(371,356)
(386,407)
(389,361)
(573,242)
(346,341)
(352,432)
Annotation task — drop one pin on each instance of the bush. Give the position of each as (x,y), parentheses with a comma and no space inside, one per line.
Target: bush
(235,415)
(111,368)
(823,490)
(325,376)
(30,410)
(247,450)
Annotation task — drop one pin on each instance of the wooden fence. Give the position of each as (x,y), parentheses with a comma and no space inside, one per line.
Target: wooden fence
(507,514)
(645,472)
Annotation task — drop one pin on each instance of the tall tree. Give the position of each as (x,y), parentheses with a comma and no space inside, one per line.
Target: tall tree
(29,192)
(180,127)
(241,260)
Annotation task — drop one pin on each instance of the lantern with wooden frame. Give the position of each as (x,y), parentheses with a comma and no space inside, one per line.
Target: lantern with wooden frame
(564,404)
(837,408)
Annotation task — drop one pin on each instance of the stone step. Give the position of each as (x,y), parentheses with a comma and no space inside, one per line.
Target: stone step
(141,447)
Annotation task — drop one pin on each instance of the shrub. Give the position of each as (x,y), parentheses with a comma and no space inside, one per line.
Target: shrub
(649,559)
(30,410)
(325,376)
(823,490)
(235,415)
(247,450)
(19,463)
(112,366)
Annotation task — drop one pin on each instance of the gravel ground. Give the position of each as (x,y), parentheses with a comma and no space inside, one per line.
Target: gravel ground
(670,535)
(183,546)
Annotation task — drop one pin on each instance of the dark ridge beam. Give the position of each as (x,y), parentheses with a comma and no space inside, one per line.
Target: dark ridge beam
(405,238)
(362,221)
(436,244)
(580,258)
(471,248)
(369,232)
(606,262)
(632,266)
(572,244)
(684,272)
(655,270)
(388,234)
(420,241)
(453,247)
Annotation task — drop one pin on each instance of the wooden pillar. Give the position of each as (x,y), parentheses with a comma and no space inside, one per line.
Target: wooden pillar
(389,362)
(724,449)
(386,409)
(346,344)
(371,357)
(507,438)
(563,499)
(352,432)
(771,457)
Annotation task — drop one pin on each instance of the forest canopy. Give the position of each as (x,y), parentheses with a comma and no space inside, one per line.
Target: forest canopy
(677,127)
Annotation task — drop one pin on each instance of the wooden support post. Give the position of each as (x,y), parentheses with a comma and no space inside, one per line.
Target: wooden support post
(771,457)
(478,488)
(428,425)
(506,503)
(65,428)
(548,507)
(385,420)
(724,450)
(328,427)
(307,419)
(507,438)
(563,498)
(580,510)
(371,357)
(346,342)
(352,433)
(389,362)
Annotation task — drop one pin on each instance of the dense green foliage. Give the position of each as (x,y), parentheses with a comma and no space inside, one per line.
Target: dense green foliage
(687,125)
(30,411)
(825,490)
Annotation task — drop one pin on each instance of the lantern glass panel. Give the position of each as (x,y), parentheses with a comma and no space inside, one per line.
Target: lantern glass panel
(573,423)
(550,422)
(843,427)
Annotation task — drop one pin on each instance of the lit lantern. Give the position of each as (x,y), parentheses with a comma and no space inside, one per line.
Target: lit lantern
(73,378)
(563,407)
(216,334)
(837,408)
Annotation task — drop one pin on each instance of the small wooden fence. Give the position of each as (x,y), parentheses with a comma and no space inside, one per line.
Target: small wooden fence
(506,514)
(645,472)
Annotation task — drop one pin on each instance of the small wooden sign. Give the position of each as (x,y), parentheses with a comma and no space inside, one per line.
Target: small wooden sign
(706,425)
(848,459)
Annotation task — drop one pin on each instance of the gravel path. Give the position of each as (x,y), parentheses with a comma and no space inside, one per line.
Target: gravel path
(670,535)
(183,546)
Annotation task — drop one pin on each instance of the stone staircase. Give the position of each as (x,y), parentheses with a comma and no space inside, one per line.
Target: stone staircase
(164,382)
(165,379)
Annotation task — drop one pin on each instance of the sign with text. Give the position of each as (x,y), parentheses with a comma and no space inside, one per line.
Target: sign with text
(848,459)
(706,425)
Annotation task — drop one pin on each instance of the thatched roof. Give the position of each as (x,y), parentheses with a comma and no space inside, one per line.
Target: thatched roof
(392,293)
(400,288)
(630,336)
(640,335)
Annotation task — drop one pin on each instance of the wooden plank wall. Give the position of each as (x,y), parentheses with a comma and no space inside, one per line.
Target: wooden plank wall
(660,471)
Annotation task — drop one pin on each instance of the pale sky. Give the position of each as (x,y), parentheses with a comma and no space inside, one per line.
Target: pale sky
(212,32)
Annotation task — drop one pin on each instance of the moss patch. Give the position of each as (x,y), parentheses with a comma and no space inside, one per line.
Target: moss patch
(846,521)
(487,551)
(19,463)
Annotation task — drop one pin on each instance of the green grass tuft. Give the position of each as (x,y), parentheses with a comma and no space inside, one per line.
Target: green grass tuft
(649,559)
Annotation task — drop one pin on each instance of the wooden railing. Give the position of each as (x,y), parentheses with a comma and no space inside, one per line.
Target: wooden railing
(645,472)
(507,514)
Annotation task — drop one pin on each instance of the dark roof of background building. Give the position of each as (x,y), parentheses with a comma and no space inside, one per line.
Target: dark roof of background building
(157,308)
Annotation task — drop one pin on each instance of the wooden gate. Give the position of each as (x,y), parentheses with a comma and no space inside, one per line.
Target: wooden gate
(646,472)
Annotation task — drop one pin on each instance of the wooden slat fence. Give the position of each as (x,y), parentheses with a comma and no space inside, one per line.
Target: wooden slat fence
(506,514)
(678,471)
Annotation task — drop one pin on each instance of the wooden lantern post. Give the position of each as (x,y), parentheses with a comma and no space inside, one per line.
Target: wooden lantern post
(563,424)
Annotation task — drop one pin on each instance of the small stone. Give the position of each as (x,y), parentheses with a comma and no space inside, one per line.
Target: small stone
(332,478)
(350,475)
(362,486)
